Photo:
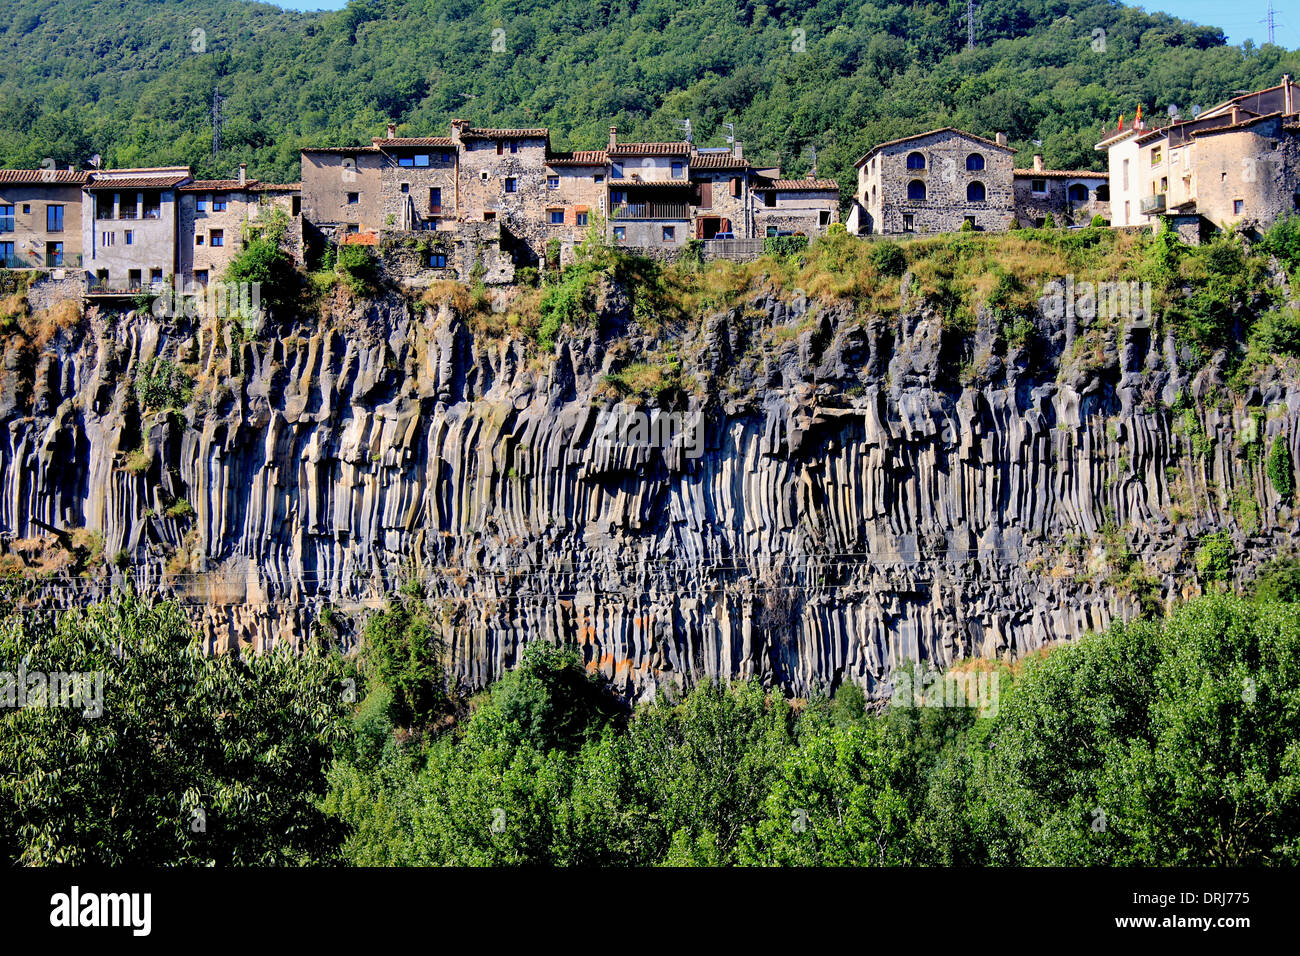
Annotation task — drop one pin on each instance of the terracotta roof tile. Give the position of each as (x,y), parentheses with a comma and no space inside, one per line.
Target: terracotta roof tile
(443,141)
(579,157)
(717,161)
(1059,174)
(279,187)
(219,186)
(42,177)
(540,132)
(650,149)
(137,182)
(802,184)
(360,239)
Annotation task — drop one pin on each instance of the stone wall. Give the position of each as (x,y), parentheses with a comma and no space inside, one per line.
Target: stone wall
(1033,208)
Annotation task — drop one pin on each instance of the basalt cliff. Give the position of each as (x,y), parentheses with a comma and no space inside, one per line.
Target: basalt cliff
(869,490)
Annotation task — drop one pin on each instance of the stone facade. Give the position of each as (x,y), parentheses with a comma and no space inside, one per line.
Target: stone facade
(418,182)
(131,228)
(341,192)
(218,215)
(934,182)
(40,218)
(1070,197)
(801,207)
(471,253)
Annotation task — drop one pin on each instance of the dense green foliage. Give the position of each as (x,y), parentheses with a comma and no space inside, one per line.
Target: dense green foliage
(190,759)
(133,80)
(1166,741)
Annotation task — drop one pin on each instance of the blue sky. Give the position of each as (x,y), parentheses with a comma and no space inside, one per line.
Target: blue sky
(1240,21)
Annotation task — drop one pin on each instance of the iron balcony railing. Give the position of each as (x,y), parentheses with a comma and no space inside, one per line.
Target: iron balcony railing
(47,261)
(651,210)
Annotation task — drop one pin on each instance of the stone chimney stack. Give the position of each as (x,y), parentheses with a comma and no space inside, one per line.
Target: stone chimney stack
(613,136)
(1001,139)
(458,127)
(738,149)
(392,131)
(1038,162)
(1288,93)
(243,173)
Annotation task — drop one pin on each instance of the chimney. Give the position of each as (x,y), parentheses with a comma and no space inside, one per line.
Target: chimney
(1001,139)
(738,149)
(243,173)
(613,136)
(1288,94)
(392,131)
(1038,162)
(458,127)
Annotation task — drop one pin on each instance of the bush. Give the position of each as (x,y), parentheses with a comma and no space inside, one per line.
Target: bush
(358,269)
(1277,332)
(1214,558)
(1280,469)
(889,258)
(781,246)
(1098,221)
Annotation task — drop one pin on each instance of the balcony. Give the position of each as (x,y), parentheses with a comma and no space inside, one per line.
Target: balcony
(1152,204)
(651,210)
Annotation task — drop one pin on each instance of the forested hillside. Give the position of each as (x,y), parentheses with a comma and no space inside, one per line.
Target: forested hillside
(132,80)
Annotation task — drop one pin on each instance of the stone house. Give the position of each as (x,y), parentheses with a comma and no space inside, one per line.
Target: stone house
(40,218)
(1070,197)
(341,193)
(577,193)
(802,207)
(650,193)
(418,181)
(1237,164)
(217,215)
(131,228)
(934,182)
(724,198)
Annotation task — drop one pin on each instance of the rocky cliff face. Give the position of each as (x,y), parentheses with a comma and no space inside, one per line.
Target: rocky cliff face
(869,490)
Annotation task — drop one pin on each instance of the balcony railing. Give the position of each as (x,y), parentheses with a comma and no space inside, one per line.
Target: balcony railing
(1151,204)
(66,261)
(652,210)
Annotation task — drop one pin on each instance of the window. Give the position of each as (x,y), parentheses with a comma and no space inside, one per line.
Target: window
(489,215)
(435,200)
(909,223)
(669,233)
(1164,184)
(133,280)
(616,170)
(6,218)
(620,232)
(27,209)
(218,238)
(552,182)
(618,196)
(1103,193)
(514,146)
(679,170)
(512,184)
(824,217)
(106,238)
(201,204)
(975,162)
(1126,215)
(598,178)
(580,218)
(1238,207)
(915,161)
(53,255)
(405,161)
(1125,186)
(500,147)
(1156,155)
(353,199)
(219,203)
(975,192)
(128,237)
(353,229)
(916,190)
(53,218)
(201,276)
(422,160)
(406,188)
(1077,192)
(1038,187)
(198,238)
(155,275)
(557,217)
(6,252)
(437,260)
(771,232)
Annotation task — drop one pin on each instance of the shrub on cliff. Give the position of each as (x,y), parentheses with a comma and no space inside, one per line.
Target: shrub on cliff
(1281,472)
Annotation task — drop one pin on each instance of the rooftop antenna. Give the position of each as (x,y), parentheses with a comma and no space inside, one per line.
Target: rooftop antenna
(731,134)
(814,162)
(685,126)
(216,121)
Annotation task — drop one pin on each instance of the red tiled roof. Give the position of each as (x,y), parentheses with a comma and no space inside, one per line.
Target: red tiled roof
(360,239)
(279,187)
(817,185)
(42,177)
(942,129)
(137,182)
(343,150)
(219,186)
(650,149)
(540,132)
(443,141)
(717,161)
(579,157)
(1058,174)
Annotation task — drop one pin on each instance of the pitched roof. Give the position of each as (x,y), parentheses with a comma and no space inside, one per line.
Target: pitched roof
(539,132)
(345,150)
(279,187)
(360,239)
(1059,174)
(42,177)
(578,157)
(806,185)
(137,182)
(219,186)
(443,141)
(650,149)
(717,161)
(943,129)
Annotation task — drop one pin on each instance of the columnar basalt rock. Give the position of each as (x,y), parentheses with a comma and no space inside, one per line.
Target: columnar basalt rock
(868,493)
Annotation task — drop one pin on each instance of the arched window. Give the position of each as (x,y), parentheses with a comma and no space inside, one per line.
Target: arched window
(1077,192)
(975,192)
(974,162)
(915,161)
(916,190)
(1103,193)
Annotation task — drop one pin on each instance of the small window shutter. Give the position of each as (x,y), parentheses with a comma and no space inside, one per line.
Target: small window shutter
(706,195)
(735,185)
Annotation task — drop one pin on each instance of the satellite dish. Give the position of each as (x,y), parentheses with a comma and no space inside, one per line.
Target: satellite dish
(1173,111)
(1196,111)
